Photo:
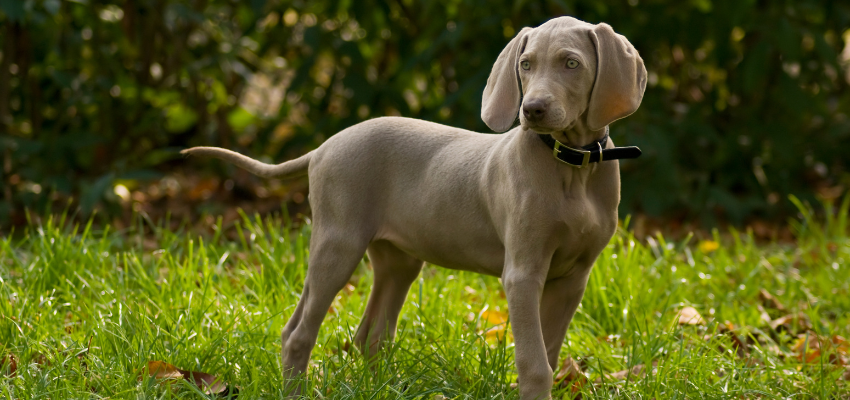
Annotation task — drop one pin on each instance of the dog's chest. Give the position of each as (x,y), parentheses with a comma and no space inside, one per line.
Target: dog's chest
(585,227)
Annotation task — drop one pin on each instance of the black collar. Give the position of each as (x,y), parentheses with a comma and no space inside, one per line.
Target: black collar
(594,152)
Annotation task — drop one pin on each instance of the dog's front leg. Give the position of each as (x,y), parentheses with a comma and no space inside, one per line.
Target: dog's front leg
(523,287)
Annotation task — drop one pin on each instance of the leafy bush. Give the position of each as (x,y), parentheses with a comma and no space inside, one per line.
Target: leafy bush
(746,101)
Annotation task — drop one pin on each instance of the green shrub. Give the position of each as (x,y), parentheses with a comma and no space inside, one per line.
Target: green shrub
(746,100)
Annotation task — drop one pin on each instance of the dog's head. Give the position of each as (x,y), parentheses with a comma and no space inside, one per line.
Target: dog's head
(563,74)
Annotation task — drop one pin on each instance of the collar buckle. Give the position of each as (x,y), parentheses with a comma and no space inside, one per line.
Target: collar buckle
(584,153)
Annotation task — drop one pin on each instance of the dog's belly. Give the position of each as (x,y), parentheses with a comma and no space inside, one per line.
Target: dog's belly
(449,227)
(453,248)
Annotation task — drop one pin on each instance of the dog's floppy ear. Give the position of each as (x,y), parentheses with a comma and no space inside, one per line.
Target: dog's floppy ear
(620,78)
(500,103)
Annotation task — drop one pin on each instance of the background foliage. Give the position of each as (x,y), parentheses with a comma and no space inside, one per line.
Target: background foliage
(747,100)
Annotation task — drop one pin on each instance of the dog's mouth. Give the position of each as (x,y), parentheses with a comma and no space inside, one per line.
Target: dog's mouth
(543,128)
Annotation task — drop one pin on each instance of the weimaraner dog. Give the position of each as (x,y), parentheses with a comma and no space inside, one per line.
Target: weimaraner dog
(534,206)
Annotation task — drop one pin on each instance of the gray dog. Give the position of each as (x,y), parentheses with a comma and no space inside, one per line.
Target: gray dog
(534,206)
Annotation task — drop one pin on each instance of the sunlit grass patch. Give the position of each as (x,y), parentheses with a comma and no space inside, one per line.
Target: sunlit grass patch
(86,311)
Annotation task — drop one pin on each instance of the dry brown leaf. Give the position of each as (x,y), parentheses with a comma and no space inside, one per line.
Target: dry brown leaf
(163,370)
(570,375)
(770,301)
(787,322)
(11,361)
(763,315)
(725,326)
(40,359)
(808,348)
(637,371)
(208,383)
(69,322)
(846,373)
(690,316)
(842,346)
(740,347)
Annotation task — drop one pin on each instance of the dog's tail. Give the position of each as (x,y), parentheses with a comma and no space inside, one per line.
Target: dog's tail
(286,170)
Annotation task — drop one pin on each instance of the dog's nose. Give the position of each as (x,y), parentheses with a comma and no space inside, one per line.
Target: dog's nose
(534,109)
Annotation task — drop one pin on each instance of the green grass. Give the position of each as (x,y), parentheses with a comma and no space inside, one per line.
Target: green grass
(83,311)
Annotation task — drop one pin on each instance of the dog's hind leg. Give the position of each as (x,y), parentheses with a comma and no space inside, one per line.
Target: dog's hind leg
(394,272)
(333,258)
(558,304)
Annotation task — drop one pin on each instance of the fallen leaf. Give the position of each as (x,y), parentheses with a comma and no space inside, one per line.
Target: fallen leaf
(496,332)
(570,375)
(741,348)
(787,322)
(11,361)
(637,371)
(846,373)
(770,301)
(163,370)
(495,323)
(492,317)
(763,315)
(208,383)
(690,316)
(707,246)
(614,340)
(842,346)
(69,322)
(41,359)
(809,346)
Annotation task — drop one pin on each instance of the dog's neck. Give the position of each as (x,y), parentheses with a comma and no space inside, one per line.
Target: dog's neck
(579,135)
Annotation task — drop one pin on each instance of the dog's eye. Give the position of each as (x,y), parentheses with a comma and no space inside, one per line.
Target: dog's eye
(525,65)
(572,63)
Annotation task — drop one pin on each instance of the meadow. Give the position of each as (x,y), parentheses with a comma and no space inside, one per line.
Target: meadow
(95,312)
